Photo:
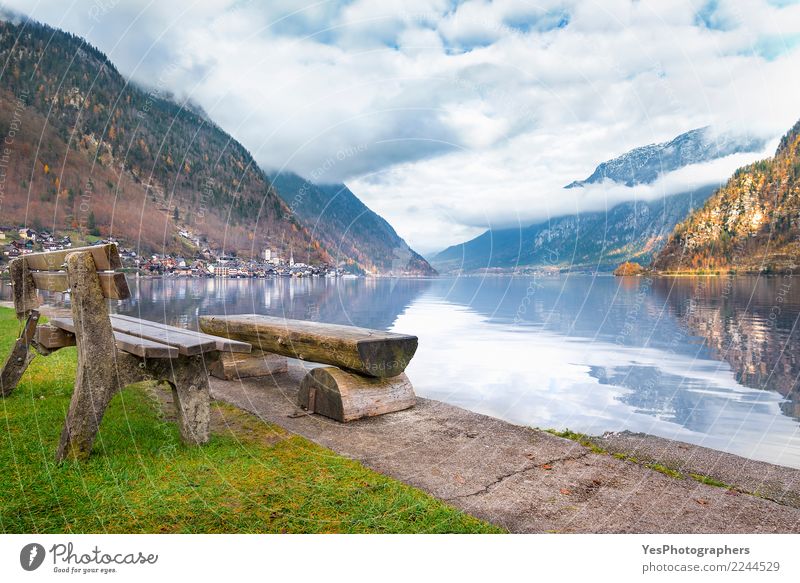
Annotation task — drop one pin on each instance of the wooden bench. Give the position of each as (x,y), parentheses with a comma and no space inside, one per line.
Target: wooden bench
(113,351)
(367,377)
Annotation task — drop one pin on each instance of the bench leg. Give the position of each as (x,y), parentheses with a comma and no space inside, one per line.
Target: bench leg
(21,356)
(188,378)
(97,379)
(95,386)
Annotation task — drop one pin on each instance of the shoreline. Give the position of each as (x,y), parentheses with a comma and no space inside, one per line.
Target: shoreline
(528,480)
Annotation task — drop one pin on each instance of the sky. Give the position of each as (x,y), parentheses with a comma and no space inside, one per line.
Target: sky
(448,118)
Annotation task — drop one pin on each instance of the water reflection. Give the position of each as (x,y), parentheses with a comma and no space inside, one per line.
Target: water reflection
(598,353)
(751,323)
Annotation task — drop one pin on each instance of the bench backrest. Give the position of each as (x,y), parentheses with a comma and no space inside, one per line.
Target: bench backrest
(47,271)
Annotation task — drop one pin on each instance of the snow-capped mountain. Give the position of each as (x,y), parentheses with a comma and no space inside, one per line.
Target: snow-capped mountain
(601,240)
(645,164)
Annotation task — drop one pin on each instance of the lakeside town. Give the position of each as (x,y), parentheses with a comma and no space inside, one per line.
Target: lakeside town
(206,262)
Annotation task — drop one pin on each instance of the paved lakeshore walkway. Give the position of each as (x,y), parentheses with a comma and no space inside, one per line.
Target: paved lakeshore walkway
(528,480)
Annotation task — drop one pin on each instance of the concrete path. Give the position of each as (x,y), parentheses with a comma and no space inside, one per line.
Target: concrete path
(520,478)
(777,483)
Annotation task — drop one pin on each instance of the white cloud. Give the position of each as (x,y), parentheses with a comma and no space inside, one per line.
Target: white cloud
(461,116)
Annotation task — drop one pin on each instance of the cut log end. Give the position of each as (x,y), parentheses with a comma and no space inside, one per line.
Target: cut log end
(383,359)
(345,396)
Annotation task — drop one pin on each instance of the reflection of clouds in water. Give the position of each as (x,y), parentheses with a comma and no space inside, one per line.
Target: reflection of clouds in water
(539,378)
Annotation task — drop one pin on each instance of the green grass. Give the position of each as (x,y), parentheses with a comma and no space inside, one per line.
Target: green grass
(709,481)
(587,442)
(252,477)
(666,470)
(581,438)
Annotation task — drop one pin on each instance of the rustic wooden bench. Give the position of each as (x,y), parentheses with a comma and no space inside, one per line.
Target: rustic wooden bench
(113,351)
(367,377)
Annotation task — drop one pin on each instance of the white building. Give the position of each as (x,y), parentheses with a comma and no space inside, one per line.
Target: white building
(267,255)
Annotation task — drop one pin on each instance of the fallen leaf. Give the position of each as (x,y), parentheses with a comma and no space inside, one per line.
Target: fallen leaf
(702,501)
(565,491)
(546,467)
(460,479)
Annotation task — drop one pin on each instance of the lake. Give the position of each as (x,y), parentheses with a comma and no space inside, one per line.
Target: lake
(707,360)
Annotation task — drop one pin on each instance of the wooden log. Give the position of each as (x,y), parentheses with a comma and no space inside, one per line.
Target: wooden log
(370,352)
(23,288)
(234,366)
(106,258)
(20,357)
(345,396)
(113,285)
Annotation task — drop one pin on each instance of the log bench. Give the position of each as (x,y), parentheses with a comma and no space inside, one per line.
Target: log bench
(113,351)
(367,377)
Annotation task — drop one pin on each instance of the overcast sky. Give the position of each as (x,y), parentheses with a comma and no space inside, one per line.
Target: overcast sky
(450,117)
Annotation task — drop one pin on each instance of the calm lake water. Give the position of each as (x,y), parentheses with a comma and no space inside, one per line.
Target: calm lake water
(707,360)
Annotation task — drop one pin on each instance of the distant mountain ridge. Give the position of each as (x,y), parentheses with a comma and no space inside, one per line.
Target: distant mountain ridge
(751,224)
(602,240)
(355,236)
(589,241)
(645,164)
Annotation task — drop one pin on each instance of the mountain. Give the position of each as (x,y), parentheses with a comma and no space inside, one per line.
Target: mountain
(645,164)
(354,235)
(87,152)
(593,241)
(87,146)
(604,239)
(752,224)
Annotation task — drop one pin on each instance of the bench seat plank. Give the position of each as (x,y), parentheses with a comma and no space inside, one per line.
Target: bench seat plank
(187,344)
(126,342)
(370,352)
(223,344)
(114,285)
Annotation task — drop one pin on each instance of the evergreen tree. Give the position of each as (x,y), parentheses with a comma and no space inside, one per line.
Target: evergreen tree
(91,224)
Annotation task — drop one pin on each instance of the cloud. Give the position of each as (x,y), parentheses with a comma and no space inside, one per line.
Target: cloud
(455,116)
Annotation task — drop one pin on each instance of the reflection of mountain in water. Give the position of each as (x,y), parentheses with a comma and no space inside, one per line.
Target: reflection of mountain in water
(634,313)
(373,303)
(749,322)
(655,393)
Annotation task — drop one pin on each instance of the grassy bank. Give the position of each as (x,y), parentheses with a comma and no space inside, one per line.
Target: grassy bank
(251,477)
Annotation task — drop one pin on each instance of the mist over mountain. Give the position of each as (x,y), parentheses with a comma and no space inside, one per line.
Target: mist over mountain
(600,240)
(645,164)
